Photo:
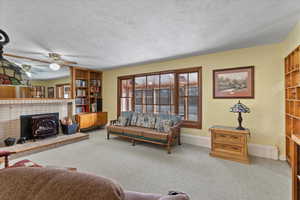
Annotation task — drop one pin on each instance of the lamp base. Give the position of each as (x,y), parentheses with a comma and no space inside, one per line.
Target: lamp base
(240,128)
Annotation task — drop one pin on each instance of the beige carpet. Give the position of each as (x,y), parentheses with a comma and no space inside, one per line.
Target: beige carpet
(148,168)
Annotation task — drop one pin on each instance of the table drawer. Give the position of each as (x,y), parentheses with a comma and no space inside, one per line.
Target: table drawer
(228,148)
(228,138)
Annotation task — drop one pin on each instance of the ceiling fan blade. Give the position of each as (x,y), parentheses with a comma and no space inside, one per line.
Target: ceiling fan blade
(66,62)
(26,52)
(82,56)
(26,58)
(39,67)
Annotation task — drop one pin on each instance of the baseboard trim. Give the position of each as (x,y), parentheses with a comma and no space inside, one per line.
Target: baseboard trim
(263,151)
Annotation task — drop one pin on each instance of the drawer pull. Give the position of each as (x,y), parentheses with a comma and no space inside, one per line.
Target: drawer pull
(235,148)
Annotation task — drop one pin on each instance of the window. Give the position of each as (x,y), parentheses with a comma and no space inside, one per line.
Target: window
(154,93)
(126,95)
(188,96)
(177,92)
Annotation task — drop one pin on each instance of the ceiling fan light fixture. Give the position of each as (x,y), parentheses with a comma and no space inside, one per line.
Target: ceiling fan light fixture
(54,66)
(28,74)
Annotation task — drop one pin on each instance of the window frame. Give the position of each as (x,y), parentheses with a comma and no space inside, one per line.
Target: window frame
(186,123)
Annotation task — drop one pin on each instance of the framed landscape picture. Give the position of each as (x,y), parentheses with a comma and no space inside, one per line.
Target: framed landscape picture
(234,82)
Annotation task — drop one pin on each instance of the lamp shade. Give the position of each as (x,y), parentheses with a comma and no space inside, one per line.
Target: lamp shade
(10,73)
(240,108)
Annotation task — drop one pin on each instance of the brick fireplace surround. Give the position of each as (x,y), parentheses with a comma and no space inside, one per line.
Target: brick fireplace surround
(11,110)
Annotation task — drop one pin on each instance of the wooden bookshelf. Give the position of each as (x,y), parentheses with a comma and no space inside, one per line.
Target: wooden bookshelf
(292,99)
(87,90)
(295,162)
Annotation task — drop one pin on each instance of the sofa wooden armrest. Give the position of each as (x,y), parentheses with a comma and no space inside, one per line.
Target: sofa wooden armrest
(112,122)
(175,132)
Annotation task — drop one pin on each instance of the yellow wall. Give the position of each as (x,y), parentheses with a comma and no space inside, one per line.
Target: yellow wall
(292,40)
(266,120)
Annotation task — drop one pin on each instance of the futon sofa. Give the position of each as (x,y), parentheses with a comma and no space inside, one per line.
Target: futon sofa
(162,129)
(53,184)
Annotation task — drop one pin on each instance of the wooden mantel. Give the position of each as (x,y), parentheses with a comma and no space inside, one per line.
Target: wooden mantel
(35,101)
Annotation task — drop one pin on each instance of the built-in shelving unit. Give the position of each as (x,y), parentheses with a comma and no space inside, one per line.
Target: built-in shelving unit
(295,155)
(86,88)
(292,99)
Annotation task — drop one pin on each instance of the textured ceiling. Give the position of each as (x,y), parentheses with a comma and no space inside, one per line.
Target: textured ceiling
(104,34)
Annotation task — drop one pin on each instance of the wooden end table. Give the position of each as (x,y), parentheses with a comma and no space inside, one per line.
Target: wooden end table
(230,143)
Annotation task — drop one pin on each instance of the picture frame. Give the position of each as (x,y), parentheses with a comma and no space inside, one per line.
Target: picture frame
(233,83)
(50,92)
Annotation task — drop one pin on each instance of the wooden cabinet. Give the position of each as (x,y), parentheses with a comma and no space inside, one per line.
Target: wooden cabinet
(292,99)
(295,163)
(91,120)
(229,143)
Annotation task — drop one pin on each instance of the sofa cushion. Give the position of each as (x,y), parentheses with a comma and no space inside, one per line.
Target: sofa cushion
(115,129)
(164,126)
(145,133)
(122,121)
(134,130)
(151,120)
(157,122)
(134,118)
(149,133)
(140,120)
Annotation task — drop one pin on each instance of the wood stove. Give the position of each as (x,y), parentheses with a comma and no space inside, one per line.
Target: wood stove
(39,126)
(44,126)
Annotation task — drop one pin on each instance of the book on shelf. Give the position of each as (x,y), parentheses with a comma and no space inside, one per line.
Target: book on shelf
(81,92)
(80,101)
(94,107)
(95,89)
(81,109)
(96,83)
(80,83)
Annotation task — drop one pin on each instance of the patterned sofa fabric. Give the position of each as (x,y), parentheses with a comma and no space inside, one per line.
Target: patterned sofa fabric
(156,128)
(160,122)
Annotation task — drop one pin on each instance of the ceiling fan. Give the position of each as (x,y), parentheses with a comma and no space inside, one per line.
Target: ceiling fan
(54,60)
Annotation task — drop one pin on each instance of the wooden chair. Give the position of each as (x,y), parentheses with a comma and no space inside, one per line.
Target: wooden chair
(22,163)
(6,154)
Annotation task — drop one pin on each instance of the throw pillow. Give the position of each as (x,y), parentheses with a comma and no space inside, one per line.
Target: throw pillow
(134,119)
(157,122)
(151,121)
(145,122)
(165,126)
(122,121)
(140,120)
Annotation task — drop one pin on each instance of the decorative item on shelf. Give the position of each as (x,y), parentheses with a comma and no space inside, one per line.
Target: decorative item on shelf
(21,140)
(10,141)
(240,108)
(10,73)
(50,92)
